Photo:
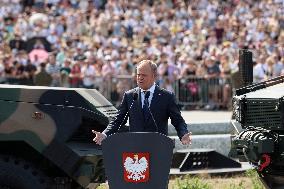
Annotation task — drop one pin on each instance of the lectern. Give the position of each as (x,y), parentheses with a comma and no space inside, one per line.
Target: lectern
(137,160)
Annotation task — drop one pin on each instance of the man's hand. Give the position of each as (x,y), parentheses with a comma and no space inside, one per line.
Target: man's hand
(99,137)
(186,139)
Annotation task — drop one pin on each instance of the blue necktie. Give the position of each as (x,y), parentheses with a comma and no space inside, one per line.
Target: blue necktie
(146,111)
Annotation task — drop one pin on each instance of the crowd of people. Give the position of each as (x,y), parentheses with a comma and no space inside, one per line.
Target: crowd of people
(87,43)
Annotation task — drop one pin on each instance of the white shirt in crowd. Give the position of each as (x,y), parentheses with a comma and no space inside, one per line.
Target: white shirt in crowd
(88,75)
(259,72)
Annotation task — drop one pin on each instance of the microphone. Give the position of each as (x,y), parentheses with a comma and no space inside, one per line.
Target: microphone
(147,104)
(135,97)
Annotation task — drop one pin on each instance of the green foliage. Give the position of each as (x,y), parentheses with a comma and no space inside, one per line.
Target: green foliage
(101,187)
(237,186)
(191,183)
(253,175)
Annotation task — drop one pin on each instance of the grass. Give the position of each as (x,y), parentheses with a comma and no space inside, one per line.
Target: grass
(247,180)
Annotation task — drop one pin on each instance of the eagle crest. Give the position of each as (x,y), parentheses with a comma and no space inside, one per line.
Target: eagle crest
(135,167)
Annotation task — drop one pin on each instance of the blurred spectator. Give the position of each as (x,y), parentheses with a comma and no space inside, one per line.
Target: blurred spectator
(260,70)
(201,71)
(213,72)
(18,76)
(108,72)
(225,73)
(88,74)
(167,70)
(65,71)
(124,83)
(29,71)
(98,64)
(54,70)
(278,66)
(270,62)
(181,63)
(42,78)
(189,69)
(75,76)
(8,67)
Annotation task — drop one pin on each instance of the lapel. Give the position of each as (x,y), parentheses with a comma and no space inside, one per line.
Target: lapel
(155,99)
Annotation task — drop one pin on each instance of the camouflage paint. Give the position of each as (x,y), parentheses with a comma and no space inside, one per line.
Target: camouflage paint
(21,120)
(7,110)
(61,112)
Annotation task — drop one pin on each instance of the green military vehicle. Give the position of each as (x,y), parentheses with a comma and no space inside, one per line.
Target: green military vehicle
(46,139)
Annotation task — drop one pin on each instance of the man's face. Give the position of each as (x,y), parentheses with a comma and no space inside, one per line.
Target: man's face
(145,76)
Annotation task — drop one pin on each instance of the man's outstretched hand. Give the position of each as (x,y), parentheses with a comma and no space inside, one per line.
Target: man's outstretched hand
(186,139)
(99,137)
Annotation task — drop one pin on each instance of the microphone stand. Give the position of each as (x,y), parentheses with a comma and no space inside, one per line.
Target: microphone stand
(147,104)
(135,96)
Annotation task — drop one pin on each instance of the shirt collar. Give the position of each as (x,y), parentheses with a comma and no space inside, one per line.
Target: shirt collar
(152,88)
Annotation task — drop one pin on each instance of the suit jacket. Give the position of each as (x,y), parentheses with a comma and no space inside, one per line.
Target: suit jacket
(163,106)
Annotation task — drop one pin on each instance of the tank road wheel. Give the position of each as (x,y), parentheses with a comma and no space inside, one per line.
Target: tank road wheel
(16,173)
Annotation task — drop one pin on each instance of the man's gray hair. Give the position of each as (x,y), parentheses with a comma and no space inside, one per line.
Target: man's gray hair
(152,65)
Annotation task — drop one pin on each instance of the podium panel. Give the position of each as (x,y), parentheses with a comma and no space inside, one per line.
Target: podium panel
(137,160)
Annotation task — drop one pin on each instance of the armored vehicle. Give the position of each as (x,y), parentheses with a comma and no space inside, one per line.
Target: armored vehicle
(46,138)
(259,109)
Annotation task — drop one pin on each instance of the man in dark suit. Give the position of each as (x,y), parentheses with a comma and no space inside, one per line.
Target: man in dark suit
(149,108)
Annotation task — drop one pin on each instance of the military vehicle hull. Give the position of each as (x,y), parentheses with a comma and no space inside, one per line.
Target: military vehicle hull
(49,129)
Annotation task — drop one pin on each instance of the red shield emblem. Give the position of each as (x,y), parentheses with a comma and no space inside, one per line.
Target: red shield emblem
(136,167)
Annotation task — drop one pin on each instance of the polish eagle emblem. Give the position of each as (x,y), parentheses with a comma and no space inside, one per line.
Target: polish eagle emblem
(136,169)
